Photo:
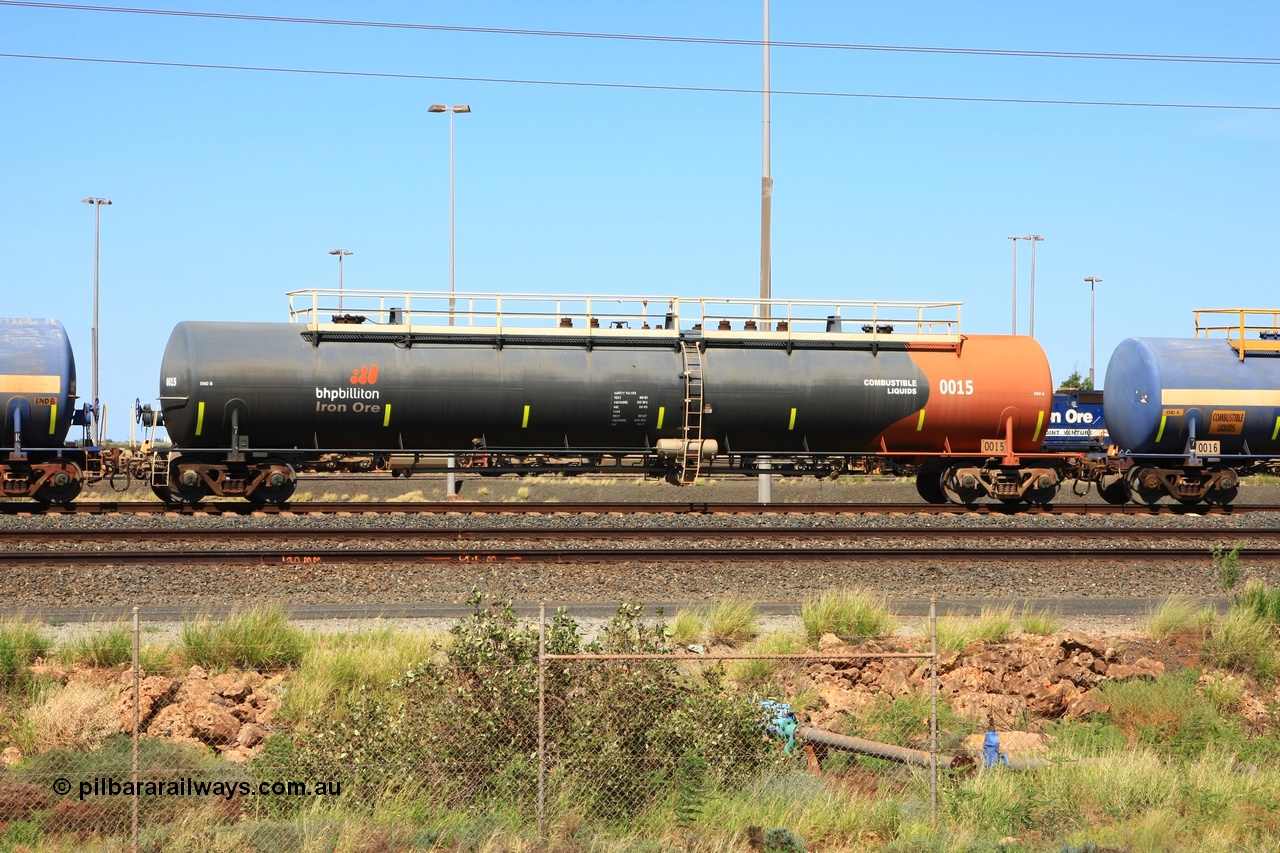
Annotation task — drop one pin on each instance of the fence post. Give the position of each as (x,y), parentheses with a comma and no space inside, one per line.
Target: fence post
(137,698)
(933,712)
(542,723)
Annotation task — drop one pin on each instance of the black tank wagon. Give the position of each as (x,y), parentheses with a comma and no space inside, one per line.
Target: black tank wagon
(660,386)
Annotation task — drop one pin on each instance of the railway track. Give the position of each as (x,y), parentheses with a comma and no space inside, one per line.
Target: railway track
(724,546)
(206,535)
(462,556)
(672,508)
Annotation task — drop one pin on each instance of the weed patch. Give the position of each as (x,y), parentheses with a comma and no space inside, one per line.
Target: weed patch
(847,614)
(256,639)
(1176,615)
(20,646)
(1165,714)
(100,646)
(732,622)
(1244,643)
(991,625)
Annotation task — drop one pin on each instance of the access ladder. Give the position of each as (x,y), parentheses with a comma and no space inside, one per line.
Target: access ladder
(691,453)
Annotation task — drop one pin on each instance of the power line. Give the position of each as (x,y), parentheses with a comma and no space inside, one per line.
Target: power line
(954,51)
(638,86)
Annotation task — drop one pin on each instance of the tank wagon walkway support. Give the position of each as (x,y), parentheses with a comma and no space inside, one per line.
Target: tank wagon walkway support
(691,456)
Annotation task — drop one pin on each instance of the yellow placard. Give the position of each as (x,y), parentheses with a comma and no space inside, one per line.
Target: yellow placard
(1226,422)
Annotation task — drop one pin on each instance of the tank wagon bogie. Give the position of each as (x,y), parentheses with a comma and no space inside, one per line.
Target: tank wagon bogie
(708,386)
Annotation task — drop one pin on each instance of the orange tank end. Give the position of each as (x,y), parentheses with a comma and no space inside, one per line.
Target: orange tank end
(973,394)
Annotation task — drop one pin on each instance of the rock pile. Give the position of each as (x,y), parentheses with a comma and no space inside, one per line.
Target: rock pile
(230,712)
(1042,678)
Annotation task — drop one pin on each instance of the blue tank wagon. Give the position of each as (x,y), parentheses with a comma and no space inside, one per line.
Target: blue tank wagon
(1193,415)
(37,408)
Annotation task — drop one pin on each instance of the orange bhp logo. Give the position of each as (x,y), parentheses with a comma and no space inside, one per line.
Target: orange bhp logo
(365,375)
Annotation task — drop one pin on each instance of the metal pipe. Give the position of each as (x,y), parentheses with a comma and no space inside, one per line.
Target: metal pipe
(902,755)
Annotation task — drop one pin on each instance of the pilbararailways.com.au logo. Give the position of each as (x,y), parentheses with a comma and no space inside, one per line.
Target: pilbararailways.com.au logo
(188,787)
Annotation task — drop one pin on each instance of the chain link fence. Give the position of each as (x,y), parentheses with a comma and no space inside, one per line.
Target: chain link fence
(506,728)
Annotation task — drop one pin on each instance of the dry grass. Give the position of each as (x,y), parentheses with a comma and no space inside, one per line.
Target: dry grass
(686,628)
(79,716)
(1176,615)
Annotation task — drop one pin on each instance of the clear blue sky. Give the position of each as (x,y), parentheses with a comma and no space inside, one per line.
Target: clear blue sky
(231,186)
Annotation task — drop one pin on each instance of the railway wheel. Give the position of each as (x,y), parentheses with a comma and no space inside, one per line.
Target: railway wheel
(1113,489)
(278,482)
(62,487)
(961,486)
(929,487)
(1228,483)
(1144,485)
(185,483)
(1041,497)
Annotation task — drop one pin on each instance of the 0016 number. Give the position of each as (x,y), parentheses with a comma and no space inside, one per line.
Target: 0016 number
(955,386)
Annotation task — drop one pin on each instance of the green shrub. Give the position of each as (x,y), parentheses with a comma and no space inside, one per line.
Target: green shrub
(1228,565)
(846,613)
(904,721)
(1225,691)
(262,638)
(463,726)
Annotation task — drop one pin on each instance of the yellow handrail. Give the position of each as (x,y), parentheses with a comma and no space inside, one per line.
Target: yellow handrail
(1237,324)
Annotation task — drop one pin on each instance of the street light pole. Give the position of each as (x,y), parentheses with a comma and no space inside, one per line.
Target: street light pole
(1015,283)
(452,111)
(451,488)
(1034,238)
(97,211)
(766,191)
(1093,281)
(341,253)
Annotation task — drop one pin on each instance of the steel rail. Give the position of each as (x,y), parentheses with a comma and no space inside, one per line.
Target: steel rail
(454,556)
(301,611)
(19,507)
(312,534)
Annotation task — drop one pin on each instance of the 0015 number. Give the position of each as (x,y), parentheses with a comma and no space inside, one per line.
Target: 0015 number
(955,386)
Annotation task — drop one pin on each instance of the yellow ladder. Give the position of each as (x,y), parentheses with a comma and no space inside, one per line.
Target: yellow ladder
(691,454)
